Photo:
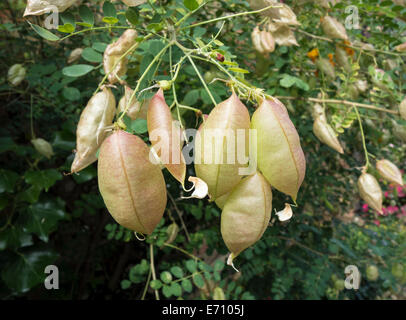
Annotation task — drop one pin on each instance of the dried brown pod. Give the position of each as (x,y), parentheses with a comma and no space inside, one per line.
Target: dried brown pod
(166,137)
(333,29)
(280,156)
(401,47)
(389,171)
(370,191)
(43,147)
(325,133)
(132,187)
(402,109)
(217,149)
(91,130)
(246,214)
(39,7)
(113,53)
(282,34)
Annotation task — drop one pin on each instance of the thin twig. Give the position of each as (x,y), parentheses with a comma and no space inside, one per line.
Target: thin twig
(180,215)
(151,253)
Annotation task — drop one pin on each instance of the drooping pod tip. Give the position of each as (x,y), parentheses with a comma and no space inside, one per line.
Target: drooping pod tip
(230,259)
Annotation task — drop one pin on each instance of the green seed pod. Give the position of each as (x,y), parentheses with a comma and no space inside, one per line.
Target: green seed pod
(166,137)
(372,273)
(39,7)
(343,59)
(75,55)
(135,106)
(172,233)
(339,284)
(402,109)
(91,130)
(370,191)
(221,201)
(389,171)
(325,133)
(214,162)
(333,29)
(246,214)
(280,156)
(218,294)
(132,187)
(43,147)
(397,270)
(325,66)
(113,53)
(16,74)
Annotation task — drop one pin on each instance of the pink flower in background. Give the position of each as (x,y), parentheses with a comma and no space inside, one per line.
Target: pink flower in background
(377,222)
(386,194)
(365,207)
(384,211)
(391,209)
(403,210)
(401,192)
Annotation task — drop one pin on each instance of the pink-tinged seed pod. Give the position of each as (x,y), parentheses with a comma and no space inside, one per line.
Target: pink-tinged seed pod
(113,53)
(267,41)
(134,107)
(402,109)
(219,146)
(333,29)
(166,137)
(132,187)
(389,171)
(280,156)
(370,191)
(325,133)
(246,214)
(91,130)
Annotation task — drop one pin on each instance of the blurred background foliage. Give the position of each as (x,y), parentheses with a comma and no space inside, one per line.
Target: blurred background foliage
(48,217)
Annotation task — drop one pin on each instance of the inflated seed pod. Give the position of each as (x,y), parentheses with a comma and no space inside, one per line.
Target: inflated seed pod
(221,201)
(132,187)
(134,107)
(43,147)
(280,156)
(325,66)
(16,74)
(215,160)
(218,294)
(333,29)
(39,7)
(75,55)
(325,133)
(256,40)
(401,47)
(284,15)
(133,3)
(402,109)
(362,85)
(246,214)
(318,112)
(113,53)
(282,34)
(370,191)
(166,137)
(172,232)
(91,130)
(399,131)
(267,41)
(389,171)
(343,59)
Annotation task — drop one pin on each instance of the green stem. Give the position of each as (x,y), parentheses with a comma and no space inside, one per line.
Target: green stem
(152,266)
(363,140)
(183,251)
(92,29)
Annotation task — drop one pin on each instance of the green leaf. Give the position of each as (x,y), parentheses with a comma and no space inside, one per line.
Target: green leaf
(191,265)
(91,55)
(26,270)
(139,126)
(177,272)
(239,70)
(176,289)
(66,28)
(71,94)
(109,10)
(166,277)
(8,179)
(191,4)
(13,238)
(86,15)
(191,97)
(85,175)
(42,218)
(99,46)
(43,179)
(125,284)
(132,15)
(110,20)
(77,70)
(287,81)
(198,280)
(156,284)
(187,285)
(7,144)
(44,33)
(218,265)
(167,291)
(30,195)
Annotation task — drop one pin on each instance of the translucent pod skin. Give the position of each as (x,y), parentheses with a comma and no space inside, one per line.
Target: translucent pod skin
(389,171)
(325,66)
(343,59)
(267,41)
(135,106)
(402,109)
(221,201)
(113,53)
(132,187)
(256,40)
(166,137)
(333,29)
(16,74)
(91,130)
(39,7)
(223,122)
(370,191)
(282,34)
(75,55)
(246,213)
(280,156)
(325,133)
(43,147)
